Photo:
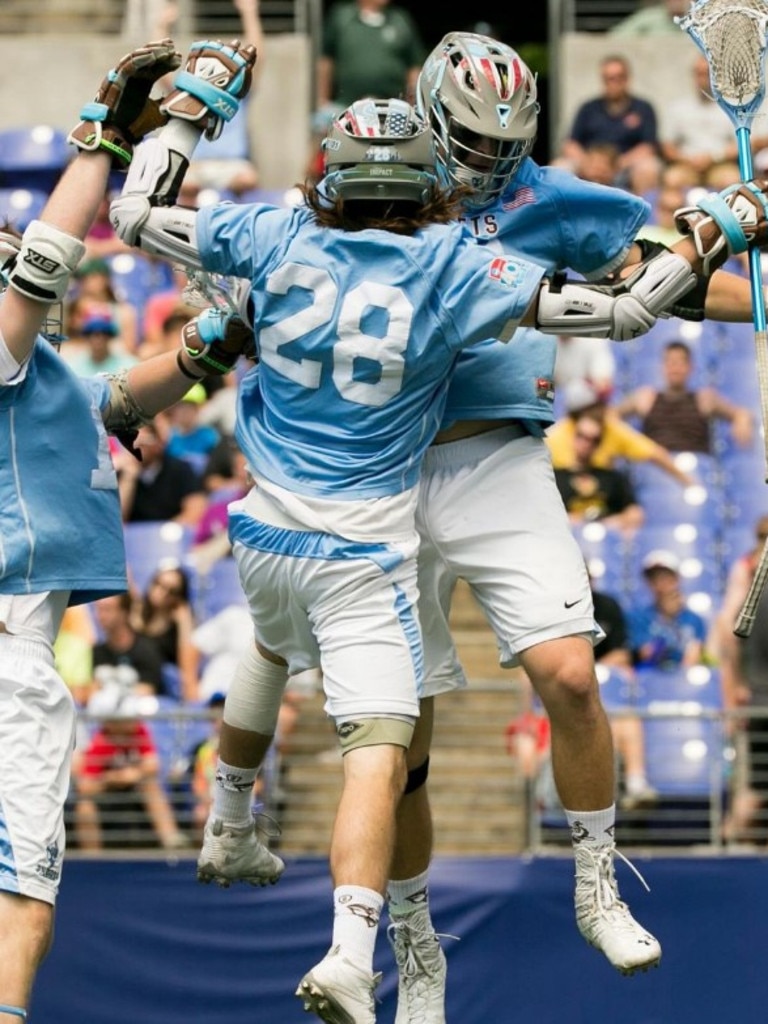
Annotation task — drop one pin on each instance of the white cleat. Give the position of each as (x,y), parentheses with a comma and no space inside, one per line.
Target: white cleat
(339,992)
(421,970)
(235,854)
(604,919)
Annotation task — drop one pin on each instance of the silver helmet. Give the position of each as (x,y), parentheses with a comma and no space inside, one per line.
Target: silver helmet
(479,99)
(379,149)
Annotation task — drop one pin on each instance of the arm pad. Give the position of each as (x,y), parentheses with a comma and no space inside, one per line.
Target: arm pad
(46,259)
(620,311)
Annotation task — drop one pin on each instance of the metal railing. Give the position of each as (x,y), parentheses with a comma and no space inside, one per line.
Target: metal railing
(697,761)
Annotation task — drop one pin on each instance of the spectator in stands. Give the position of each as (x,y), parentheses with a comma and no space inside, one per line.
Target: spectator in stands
(203,768)
(211,539)
(660,226)
(94,285)
(744,676)
(682,175)
(188,438)
(122,655)
(652,17)
(665,633)
(160,487)
(680,417)
(589,359)
(591,492)
(600,163)
(619,117)
(101,241)
(226,164)
(164,618)
(614,652)
(368,48)
(73,651)
(694,128)
(619,439)
(165,313)
(105,352)
(118,774)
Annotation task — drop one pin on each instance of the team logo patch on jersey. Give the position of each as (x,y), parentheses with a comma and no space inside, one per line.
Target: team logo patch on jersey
(545,388)
(506,271)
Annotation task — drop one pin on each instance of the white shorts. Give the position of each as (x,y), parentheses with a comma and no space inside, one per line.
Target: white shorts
(490,513)
(37,737)
(346,606)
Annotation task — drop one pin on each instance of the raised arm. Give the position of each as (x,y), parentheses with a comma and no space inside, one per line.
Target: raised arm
(52,246)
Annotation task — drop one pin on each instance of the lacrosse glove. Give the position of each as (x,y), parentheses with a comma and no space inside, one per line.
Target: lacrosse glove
(122,112)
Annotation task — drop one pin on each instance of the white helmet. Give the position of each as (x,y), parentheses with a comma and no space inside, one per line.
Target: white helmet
(479,99)
(379,149)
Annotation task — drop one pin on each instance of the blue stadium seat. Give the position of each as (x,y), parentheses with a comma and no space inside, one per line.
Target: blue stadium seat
(18,206)
(667,502)
(617,689)
(684,739)
(605,553)
(684,756)
(33,157)
(217,589)
(149,544)
(136,277)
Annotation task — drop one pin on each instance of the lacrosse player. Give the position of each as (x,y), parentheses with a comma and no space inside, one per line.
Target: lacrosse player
(361,298)
(61,539)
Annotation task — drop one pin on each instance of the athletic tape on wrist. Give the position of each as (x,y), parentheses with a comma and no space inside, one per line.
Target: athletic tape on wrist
(45,262)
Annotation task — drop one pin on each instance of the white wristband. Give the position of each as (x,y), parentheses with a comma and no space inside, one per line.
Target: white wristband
(45,262)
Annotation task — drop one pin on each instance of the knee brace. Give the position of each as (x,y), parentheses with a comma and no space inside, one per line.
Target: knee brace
(372,732)
(253,700)
(417,777)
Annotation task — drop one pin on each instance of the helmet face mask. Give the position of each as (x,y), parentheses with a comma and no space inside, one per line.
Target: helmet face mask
(379,150)
(479,98)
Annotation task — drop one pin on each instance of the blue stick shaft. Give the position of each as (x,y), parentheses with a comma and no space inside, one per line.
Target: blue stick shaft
(755,267)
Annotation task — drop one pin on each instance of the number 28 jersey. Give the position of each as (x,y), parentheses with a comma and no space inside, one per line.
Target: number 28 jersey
(357,335)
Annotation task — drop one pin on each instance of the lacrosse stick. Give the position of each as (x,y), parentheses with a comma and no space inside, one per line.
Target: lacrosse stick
(731,35)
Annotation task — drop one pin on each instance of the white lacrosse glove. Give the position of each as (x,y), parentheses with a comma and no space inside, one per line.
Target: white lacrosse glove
(208,89)
(726,223)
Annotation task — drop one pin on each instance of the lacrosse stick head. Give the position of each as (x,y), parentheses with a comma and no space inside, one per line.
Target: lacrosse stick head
(731,35)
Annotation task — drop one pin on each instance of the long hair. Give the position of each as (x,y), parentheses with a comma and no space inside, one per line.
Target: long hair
(401,217)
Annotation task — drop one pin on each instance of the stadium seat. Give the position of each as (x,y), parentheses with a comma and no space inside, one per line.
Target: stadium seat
(149,544)
(689,690)
(33,157)
(136,277)
(217,589)
(18,206)
(666,502)
(617,689)
(605,553)
(684,755)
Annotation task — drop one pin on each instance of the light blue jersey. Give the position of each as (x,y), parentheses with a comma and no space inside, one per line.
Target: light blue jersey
(60,521)
(563,223)
(357,335)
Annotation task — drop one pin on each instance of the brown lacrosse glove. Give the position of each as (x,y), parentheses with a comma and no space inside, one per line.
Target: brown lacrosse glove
(208,89)
(122,112)
(215,340)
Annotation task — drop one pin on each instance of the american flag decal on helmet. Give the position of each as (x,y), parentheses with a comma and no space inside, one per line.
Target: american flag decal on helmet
(522,196)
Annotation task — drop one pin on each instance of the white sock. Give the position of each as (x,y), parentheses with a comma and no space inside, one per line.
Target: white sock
(356,913)
(595,828)
(233,793)
(636,784)
(406,896)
